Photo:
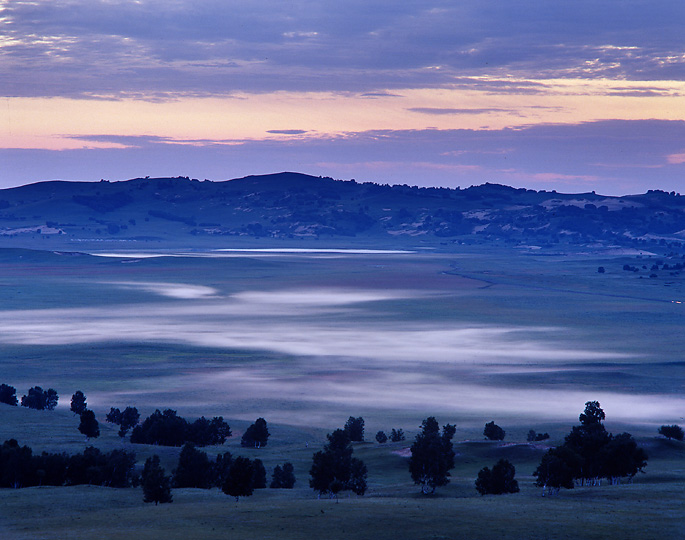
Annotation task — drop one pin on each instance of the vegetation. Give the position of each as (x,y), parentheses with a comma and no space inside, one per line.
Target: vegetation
(536,437)
(256,435)
(283,477)
(335,470)
(240,479)
(125,420)
(354,427)
(8,395)
(156,485)
(493,432)
(168,429)
(397,435)
(40,399)
(20,468)
(497,481)
(381,437)
(589,454)
(78,402)
(432,455)
(672,432)
(89,425)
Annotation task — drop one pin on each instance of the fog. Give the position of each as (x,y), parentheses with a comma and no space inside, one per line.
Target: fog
(332,350)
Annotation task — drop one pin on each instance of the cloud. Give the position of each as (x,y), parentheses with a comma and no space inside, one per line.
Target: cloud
(101,48)
(287,131)
(440,111)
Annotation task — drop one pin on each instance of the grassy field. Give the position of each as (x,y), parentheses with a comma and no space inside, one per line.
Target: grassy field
(468,335)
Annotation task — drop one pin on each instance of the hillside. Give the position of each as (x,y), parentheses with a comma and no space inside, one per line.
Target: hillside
(292,205)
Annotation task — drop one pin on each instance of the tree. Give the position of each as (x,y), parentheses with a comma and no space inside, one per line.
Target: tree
(221,466)
(8,395)
(396,435)
(89,425)
(156,485)
(493,432)
(381,437)
(335,470)
(593,414)
(240,479)
(194,469)
(259,476)
(355,429)
(128,420)
(113,416)
(283,477)
(432,455)
(40,399)
(558,468)
(672,432)
(498,481)
(256,435)
(622,457)
(78,402)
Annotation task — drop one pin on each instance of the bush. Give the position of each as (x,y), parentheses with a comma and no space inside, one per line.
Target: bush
(381,437)
(498,481)
(40,399)
(8,395)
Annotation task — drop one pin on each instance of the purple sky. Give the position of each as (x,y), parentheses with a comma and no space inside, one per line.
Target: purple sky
(568,95)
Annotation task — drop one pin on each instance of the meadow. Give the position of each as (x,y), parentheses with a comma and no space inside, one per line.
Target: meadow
(306,339)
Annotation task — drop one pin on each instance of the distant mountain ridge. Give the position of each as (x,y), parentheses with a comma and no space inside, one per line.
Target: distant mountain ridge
(293,205)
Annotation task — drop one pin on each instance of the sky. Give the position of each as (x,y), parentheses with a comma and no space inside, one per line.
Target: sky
(575,96)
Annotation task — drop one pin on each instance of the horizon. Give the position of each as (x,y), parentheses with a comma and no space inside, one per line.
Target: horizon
(151,178)
(569,96)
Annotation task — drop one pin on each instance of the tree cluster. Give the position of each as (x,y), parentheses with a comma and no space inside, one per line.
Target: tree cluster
(536,437)
(256,435)
(497,481)
(20,468)
(156,484)
(590,454)
(125,420)
(335,470)
(168,429)
(283,477)
(396,435)
(432,455)
(40,399)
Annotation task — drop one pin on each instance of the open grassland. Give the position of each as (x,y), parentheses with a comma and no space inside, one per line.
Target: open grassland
(467,335)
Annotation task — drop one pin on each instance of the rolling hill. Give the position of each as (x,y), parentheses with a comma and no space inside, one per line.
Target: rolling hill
(291,205)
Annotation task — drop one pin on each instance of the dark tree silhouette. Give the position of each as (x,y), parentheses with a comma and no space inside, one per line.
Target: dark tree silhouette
(256,435)
(156,485)
(283,477)
(240,478)
(672,432)
(589,454)
(593,414)
(493,432)
(40,399)
(432,455)
(396,435)
(78,402)
(558,469)
(128,420)
(381,437)
(497,481)
(113,416)
(355,428)
(335,470)
(536,437)
(89,425)
(259,476)
(8,395)
(194,469)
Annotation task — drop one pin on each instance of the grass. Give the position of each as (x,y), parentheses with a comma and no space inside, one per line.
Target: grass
(611,312)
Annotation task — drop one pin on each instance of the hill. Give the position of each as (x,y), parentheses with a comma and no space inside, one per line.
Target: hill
(291,205)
